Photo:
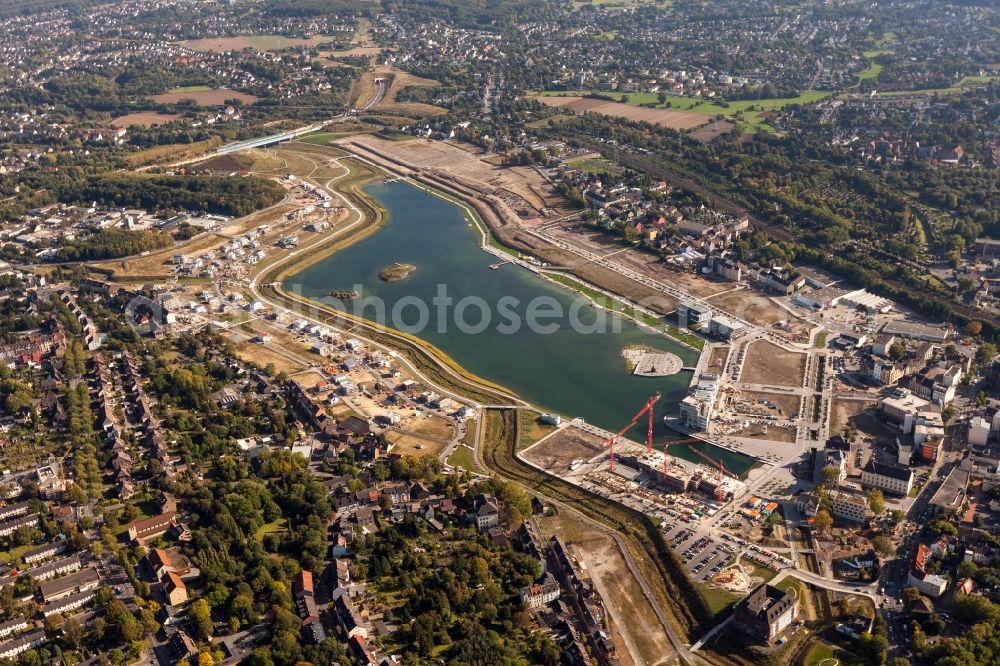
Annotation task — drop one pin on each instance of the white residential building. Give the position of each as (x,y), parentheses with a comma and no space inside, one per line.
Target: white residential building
(890,478)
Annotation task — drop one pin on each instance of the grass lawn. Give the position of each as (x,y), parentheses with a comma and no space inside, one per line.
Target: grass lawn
(274,527)
(596,165)
(761,571)
(706,107)
(147,509)
(965,83)
(189,89)
(729,645)
(14,554)
(874,69)
(818,653)
(822,653)
(531,429)
(556,119)
(821,339)
(717,598)
(319,138)
(277,42)
(801,593)
(462,457)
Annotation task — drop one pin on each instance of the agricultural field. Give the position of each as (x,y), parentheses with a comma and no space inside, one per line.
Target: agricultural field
(712,131)
(256,42)
(207,97)
(145,119)
(752,112)
(662,117)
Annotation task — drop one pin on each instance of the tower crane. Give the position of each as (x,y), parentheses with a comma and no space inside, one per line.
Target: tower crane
(647,409)
(720,493)
(666,452)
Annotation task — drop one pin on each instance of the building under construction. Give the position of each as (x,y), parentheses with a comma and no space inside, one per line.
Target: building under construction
(679,476)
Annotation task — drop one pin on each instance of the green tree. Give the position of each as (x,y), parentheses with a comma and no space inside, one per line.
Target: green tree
(876,502)
(973,609)
(831,476)
(883,546)
(823,521)
(986,353)
(201,614)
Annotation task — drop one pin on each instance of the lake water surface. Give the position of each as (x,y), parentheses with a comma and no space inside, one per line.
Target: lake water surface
(572,372)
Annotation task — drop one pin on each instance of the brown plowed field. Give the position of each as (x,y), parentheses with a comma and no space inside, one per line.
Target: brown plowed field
(215,97)
(663,117)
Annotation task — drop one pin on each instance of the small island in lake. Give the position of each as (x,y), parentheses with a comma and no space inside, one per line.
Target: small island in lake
(396,272)
(344,294)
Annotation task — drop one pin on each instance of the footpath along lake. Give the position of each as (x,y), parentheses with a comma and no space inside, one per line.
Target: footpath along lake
(571,370)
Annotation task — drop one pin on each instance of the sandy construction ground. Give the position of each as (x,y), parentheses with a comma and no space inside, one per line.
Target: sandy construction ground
(145,119)
(662,117)
(424,436)
(158,263)
(717,361)
(767,363)
(216,97)
(750,305)
(639,636)
(469,163)
(843,412)
(556,452)
(786,404)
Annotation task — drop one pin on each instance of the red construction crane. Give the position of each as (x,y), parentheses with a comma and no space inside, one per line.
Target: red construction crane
(720,493)
(648,409)
(666,452)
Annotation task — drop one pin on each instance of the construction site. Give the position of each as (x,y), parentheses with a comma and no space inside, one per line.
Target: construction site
(646,476)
